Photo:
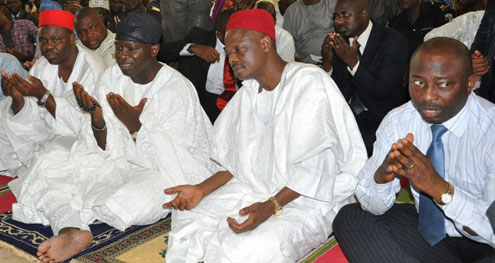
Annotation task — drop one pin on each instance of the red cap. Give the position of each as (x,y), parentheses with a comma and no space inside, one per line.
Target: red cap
(253,19)
(55,17)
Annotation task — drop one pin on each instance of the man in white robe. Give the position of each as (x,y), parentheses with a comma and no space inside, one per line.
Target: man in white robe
(126,155)
(45,106)
(288,145)
(94,35)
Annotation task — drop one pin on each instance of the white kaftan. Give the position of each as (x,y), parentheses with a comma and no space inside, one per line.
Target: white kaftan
(123,184)
(302,135)
(106,49)
(20,134)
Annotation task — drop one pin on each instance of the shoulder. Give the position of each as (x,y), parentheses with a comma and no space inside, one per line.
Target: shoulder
(293,9)
(483,112)
(24,23)
(282,34)
(95,61)
(388,34)
(400,116)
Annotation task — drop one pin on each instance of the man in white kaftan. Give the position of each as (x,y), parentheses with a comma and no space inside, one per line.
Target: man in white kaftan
(295,133)
(94,35)
(119,182)
(22,132)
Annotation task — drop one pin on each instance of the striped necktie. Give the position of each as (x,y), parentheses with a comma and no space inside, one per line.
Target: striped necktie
(431,221)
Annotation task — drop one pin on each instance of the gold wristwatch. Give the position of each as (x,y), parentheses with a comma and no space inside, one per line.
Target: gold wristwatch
(278,207)
(447,197)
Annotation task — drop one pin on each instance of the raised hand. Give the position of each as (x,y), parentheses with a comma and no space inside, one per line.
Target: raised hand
(416,167)
(9,89)
(480,63)
(345,52)
(326,53)
(126,113)
(258,213)
(88,104)
(206,53)
(34,87)
(188,197)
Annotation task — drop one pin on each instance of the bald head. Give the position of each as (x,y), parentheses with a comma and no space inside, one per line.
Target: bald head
(446,47)
(85,12)
(359,5)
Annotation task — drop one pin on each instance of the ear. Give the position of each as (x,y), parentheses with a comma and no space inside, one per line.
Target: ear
(266,43)
(471,82)
(364,15)
(155,49)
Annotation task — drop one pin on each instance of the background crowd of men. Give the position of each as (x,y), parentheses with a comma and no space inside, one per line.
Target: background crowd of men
(242,127)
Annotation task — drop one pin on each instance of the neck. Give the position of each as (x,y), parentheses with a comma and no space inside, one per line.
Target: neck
(311,2)
(148,75)
(272,73)
(65,69)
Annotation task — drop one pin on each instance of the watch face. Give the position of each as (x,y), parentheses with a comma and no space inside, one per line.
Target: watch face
(446,198)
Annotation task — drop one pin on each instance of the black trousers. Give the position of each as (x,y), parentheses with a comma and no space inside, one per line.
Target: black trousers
(393,237)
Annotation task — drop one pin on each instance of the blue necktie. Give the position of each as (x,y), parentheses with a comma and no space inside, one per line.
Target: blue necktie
(431,221)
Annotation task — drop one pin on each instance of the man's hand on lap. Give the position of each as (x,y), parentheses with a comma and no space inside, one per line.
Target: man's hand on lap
(257,214)
(188,197)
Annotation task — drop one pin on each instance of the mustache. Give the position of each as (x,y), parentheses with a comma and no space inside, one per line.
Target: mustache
(428,106)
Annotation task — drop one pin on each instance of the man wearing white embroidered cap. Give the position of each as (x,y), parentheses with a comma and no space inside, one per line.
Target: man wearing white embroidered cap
(103,9)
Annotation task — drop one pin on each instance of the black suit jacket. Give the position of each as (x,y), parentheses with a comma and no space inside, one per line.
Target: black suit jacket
(378,80)
(485,43)
(193,67)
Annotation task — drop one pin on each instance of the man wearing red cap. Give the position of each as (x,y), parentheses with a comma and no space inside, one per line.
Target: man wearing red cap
(145,131)
(44,107)
(290,151)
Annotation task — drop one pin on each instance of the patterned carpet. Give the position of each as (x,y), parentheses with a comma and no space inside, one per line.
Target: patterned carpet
(137,244)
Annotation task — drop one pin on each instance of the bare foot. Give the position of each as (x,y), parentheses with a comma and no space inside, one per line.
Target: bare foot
(69,242)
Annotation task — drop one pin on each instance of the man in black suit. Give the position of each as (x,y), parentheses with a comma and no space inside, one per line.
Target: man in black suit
(483,52)
(201,58)
(367,62)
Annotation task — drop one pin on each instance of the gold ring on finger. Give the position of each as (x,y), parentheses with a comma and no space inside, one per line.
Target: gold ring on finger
(410,166)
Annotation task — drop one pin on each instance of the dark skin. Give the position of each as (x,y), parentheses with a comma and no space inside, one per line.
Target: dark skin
(480,63)
(351,19)
(136,60)
(14,6)
(439,88)
(91,29)
(252,55)
(57,44)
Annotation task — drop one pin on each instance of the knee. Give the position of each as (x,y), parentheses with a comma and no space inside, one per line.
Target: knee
(349,216)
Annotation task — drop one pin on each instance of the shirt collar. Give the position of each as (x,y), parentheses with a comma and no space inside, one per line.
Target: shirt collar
(458,124)
(363,38)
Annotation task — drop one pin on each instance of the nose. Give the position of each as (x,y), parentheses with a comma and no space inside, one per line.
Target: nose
(233,58)
(338,20)
(430,93)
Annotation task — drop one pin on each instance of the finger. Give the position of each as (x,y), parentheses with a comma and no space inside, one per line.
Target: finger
(410,137)
(400,172)
(182,204)
(173,190)
(33,78)
(140,106)
(477,53)
(354,42)
(246,210)
(248,224)
(233,224)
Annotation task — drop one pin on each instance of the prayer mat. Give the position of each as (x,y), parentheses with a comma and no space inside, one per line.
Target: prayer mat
(137,244)
(328,252)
